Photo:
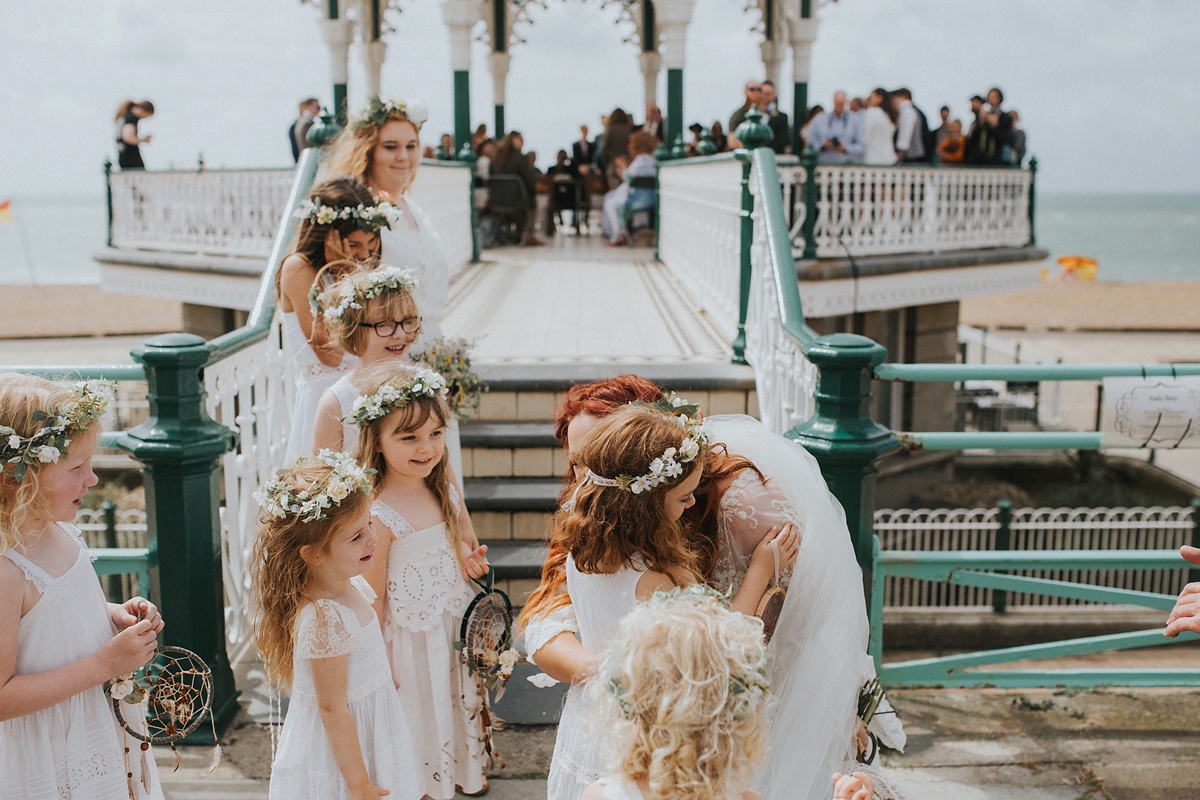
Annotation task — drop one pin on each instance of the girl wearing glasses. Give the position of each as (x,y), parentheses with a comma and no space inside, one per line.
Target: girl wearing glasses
(339,227)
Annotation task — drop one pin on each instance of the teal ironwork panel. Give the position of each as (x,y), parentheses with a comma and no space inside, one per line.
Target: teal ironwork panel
(1016,440)
(124,561)
(938,565)
(1055,678)
(1029,372)
(1052,588)
(81,372)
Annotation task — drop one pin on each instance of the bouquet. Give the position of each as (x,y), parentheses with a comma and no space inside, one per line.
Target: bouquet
(451,358)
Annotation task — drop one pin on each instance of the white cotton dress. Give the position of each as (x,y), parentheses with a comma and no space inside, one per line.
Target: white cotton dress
(600,603)
(620,789)
(304,767)
(878,130)
(75,749)
(420,250)
(426,599)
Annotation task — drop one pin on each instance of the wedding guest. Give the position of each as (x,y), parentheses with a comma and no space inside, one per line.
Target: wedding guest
(642,146)
(583,152)
(510,160)
(775,119)
(837,135)
(914,142)
(693,147)
(813,113)
(879,128)
(483,170)
(944,129)
(1016,140)
(129,154)
(857,104)
(479,137)
(616,143)
(654,122)
(995,127)
(720,140)
(953,147)
(531,159)
(445,151)
(753,92)
(975,131)
(1186,614)
(298,133)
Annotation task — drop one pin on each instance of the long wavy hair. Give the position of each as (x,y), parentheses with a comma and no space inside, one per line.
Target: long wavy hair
(346,332)
(280,578)
(679,698)
(22,396)
(607,528)
(408,417)
(310,235)
(353,151)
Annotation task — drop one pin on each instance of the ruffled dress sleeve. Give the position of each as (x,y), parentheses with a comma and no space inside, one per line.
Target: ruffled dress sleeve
(542,629)
(326,629)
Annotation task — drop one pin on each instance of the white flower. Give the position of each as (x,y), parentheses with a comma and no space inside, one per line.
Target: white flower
(674,470)
(417,112)
(670,452)
(14,442)
(508,659)
(640,485)
(689,449)
(678,401)
(120,688)
(48,454)
(656,466)
(338,490)
(326,215)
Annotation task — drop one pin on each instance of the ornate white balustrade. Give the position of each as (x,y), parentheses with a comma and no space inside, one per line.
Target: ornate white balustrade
(215,212)
(879,210)
(699,234)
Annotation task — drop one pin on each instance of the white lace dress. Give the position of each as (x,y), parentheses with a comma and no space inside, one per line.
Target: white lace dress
(421,251)
(600,602)
(426,598)
(311,378)
(74,750)
(304,767)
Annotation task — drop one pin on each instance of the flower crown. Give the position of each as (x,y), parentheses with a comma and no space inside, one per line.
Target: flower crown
(279,498)
(367,287)
(378,111)
(747,689)
(669,465)
(51,441)
(396,394)
(368,218)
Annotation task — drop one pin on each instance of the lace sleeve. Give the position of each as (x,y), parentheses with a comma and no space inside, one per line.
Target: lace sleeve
(326,630)
(545,627)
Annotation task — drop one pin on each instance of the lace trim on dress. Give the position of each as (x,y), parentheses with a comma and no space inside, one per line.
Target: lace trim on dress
(33,573)
(544,627)
(327,629)
(423,581)
(77,535)
(740,507)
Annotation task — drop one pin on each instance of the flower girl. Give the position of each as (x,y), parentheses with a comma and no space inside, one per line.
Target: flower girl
(641,467)
(339,227)
(370,314)
(60,641)
(681,699)
(345,735)
(426,548)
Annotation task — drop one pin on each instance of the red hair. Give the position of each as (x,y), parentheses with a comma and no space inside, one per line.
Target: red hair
(602,398)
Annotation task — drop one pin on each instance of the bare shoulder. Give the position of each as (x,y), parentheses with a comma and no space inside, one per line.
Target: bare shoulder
(652,582)
(13,585)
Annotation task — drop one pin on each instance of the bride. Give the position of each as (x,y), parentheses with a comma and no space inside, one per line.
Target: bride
(819,658)
(382,148)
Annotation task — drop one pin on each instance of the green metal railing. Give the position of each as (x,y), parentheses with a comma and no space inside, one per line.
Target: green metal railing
(847,443)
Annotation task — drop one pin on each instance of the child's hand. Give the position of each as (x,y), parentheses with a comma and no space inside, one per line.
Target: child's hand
(788,544)
(862,738)
(475,563)
(368,792)
(131,611)
(128,650)
(852,787)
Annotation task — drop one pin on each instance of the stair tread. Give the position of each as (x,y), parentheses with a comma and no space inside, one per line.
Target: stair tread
(512,494)
(507,433)
(671,376)
(516,560)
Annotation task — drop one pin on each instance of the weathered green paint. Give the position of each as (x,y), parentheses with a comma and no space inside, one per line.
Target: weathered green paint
(1005,440)
(1053,679)
(799,113)
(842,436)
(753,133)
(81,372)
(462,108)
(747,251)
(108,197)
(180,448)
(707,146)
(939,565)
(323,131)
(1003,542)
(500,130)
(805,9)
(674,105)
(1053,588)
(1032,199)
(926,373)
(649,27)
(499,29)
(779,249)
(875,606)
(124,561)
(341,111)
(809,160)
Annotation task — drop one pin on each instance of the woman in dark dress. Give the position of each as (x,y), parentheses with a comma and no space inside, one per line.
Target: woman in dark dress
(129,156)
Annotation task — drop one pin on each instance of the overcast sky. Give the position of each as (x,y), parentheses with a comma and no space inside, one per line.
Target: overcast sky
(1107,89)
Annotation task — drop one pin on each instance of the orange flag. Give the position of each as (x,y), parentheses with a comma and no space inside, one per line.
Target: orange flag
(6,214)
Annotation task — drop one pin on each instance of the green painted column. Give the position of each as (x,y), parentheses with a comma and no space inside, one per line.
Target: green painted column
(1032,198)
(674,105)
(799,113)
(180,448)
(499,122)
(752,134)
(842,436)
(341,111)
(462,108)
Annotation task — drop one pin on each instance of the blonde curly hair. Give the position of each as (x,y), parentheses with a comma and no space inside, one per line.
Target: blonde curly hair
(21,397)
(353,151)
(681,697)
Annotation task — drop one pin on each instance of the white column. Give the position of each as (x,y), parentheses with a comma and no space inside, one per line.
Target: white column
(498,65)
(672,18)
(373,55)
(802,32)
(772,58)
(338,35)
(460,17)
(651,64)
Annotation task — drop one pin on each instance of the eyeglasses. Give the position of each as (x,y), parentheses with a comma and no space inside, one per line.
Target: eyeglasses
(388,327)
(753,88)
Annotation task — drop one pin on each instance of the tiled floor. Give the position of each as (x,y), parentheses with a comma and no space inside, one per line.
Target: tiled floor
(577,300)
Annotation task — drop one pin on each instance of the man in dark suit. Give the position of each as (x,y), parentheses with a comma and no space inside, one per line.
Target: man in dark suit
(583,153)
(654,122)
(298,132)
(775,119)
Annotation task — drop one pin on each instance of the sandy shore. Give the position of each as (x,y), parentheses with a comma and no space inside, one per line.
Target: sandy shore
(1070,306)
(38,312)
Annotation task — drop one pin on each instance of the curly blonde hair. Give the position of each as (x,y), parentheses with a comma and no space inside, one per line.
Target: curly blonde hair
(279,577)
(681,697)
(346,332)
(408,417)
(353,151)
(21,397)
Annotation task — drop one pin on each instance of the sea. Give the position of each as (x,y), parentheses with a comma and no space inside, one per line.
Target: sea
(1134,237)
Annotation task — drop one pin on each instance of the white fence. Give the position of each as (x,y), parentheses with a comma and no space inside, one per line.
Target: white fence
(878,210)
(1153,528)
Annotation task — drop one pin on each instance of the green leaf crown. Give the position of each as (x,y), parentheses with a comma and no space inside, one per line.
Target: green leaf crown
(363,287)
(378,111)
(669,465)
(279,497)
(396,394)
(59,424)
(371,219)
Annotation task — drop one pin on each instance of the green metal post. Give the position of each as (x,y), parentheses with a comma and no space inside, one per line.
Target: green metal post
(112,583)
(340,109)
(180,448)
(1003,542)
(108,196)
(752,134)
(1032,197)
(800,113)
(875,604)
(499,122)
(842,436)
(809,160)
(674,105)
(1194,572)
(462,108)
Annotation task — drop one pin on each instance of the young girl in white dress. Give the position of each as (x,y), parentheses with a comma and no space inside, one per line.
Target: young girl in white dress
(345,735)
(624,542)
(681,701)
(339,227)
(427,550)
(60,640)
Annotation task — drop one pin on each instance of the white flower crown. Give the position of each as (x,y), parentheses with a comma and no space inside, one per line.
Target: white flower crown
(371,219)
(279,499)
(378,111)
(666,467)
(51,441)
(367,287)
(394,394)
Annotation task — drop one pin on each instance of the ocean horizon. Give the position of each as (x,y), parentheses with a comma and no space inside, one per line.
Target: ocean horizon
(1134,237)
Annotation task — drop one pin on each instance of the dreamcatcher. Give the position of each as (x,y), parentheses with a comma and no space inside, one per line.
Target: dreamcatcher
(174,691)
(487,648)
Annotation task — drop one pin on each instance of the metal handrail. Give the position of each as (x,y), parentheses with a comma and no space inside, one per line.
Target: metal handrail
(81,372)
(1029,372)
